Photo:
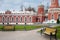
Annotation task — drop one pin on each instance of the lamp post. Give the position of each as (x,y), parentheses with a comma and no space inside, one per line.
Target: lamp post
(25,23)
(8,21)
(25,26)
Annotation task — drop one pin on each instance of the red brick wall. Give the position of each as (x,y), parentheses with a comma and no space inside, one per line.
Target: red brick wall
(49,16)
(27,19)
(0,18)
(55,15)
(40,18)
(33,19)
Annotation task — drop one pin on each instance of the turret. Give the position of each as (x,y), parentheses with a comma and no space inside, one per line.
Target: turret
(41,9)
(54,4)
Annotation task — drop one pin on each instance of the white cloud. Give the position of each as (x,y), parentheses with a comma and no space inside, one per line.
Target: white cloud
(27,4)
(9,4)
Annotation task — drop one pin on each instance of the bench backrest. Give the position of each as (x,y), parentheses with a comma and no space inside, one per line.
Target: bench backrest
(50,29)
(8,27)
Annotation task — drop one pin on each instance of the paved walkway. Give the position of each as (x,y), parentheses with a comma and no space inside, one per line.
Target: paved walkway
(22,35)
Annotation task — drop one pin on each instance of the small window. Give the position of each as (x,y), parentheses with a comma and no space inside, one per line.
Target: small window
(30,19)
(8,19)
(16,19)
(3,18)
(52,17)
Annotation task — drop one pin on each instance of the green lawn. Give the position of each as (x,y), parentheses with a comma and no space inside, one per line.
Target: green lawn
(26,27)
(1,26)
(23,27)
(58,31)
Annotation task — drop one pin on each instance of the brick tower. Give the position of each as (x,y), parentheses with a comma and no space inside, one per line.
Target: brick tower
(53,10)
(40,13)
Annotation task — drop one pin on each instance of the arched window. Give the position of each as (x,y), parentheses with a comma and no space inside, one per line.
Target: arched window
(20,19)
(16,19)
(7,19)
(12,19)
(30,19)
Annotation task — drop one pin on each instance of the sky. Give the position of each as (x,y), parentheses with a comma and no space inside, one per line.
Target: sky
(16,4)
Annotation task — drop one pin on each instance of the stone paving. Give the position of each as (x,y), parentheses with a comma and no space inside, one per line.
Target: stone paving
(22,35)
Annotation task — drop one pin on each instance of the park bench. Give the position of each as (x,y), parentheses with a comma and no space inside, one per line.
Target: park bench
(49,31)
(8,27)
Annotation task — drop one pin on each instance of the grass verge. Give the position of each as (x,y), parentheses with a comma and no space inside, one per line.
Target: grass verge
(26,27)
(1,26)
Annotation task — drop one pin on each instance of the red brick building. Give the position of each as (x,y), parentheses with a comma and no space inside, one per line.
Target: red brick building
(54,10)
(40,14)
(22,17)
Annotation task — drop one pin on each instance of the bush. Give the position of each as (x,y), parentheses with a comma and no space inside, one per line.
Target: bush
(58,21)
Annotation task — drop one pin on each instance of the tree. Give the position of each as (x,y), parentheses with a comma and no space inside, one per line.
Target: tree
(33,9)
(30,9)
(58,21)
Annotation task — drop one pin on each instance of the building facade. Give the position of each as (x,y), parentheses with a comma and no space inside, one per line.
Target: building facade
(22,17)
(54,11)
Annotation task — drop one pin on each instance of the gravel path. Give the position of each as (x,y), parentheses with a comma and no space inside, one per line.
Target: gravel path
(22,35)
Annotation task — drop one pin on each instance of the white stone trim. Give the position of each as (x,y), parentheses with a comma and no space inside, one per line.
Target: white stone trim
(21,23)
(1,23)
(12,23)
(54,10)
(5,23)
(30,23)
(50,21)
(26,23)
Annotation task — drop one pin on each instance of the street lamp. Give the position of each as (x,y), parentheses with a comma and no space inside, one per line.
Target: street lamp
(25,26)
(25,23)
